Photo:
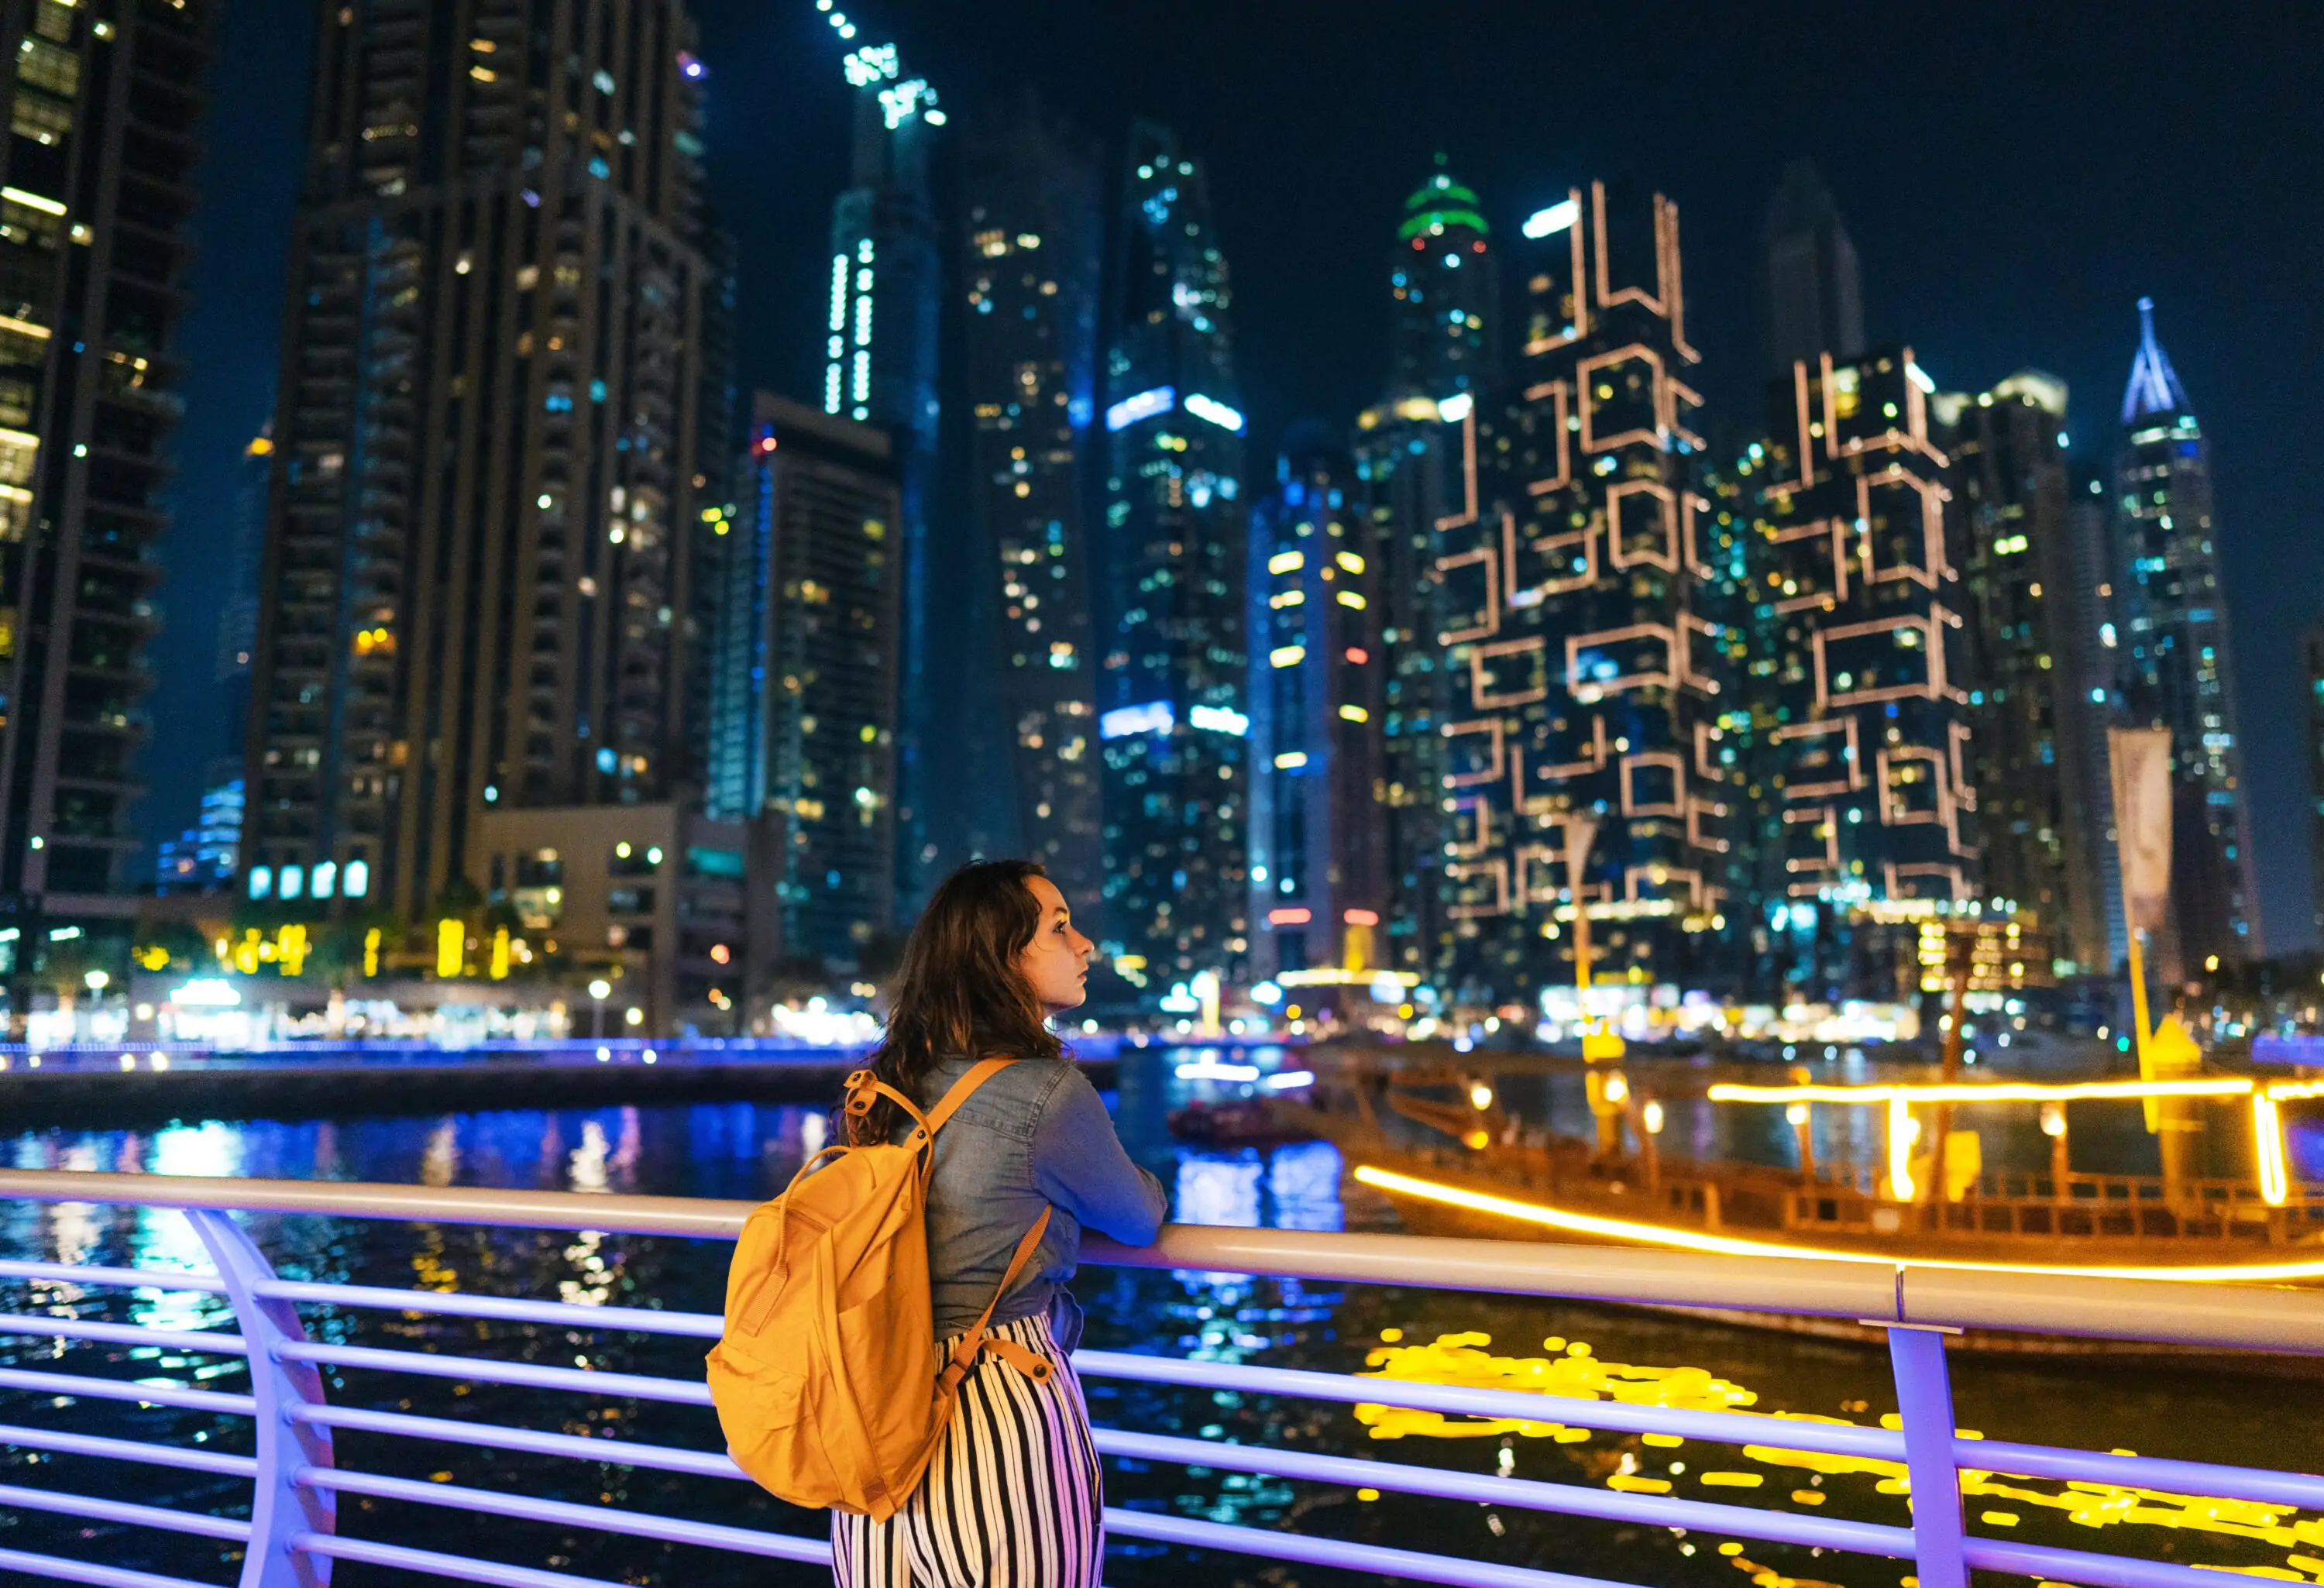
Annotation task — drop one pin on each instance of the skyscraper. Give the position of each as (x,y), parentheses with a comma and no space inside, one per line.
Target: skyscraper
(2036,733)
(880,368)
(106,107)
(1318,858)
(1446,284)
(1171,676)
(476,575)
(1030,258)
(823,502)
(1860,692)
(1815,297)
(2181,674)
(1588,684)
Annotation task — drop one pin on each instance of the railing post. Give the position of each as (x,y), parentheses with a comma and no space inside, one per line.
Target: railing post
(279,1508)
(1924,1403)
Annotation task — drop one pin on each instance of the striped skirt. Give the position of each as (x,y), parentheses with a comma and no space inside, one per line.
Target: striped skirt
(1011,1499)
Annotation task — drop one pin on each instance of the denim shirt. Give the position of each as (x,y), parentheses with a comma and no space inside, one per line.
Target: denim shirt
(1036,1134)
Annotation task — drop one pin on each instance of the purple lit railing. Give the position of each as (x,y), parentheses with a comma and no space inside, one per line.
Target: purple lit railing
(292,1534)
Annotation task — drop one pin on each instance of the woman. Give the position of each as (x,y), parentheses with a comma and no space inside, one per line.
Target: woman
(1011,1499)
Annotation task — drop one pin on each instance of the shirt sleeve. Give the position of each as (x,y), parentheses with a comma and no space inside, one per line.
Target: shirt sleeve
(1080,1165)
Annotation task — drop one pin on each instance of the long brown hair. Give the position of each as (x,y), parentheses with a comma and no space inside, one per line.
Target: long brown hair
(958,990)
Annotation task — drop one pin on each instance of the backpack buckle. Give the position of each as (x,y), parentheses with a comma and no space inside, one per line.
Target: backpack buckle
(862,1092)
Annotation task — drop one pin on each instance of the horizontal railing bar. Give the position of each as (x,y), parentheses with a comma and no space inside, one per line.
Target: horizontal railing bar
(627,1453)
(459,1567)
(2230,1315)
(1310,1550)
(159,1456)
(529,1375)
(120,1510)
(2043,1563)
(355,1199)
(1725,1427)
(225,1403)
(566,1514)
(122,1278)
(56,1569)
(1653,1510)
(123,1334)
(644,1320)
(2142,1471)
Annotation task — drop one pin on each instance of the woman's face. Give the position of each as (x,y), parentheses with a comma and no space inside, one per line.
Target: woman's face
(1056,963)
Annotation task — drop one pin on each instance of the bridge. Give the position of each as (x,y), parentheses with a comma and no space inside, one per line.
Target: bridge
(294,1506)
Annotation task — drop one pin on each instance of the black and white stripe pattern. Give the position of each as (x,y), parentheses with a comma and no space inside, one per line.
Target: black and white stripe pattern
(1011,1500)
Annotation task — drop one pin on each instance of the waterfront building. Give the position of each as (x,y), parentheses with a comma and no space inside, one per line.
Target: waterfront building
(96,189)
(1318,858)
(204,858)
(237,624)
(2036,718)
(2178,666)
(476,581)
(1859,694)
(880,368)
(1171,672)
(1814,291)
(1446,287)
(1587,685)
(821,499)
(1029,244)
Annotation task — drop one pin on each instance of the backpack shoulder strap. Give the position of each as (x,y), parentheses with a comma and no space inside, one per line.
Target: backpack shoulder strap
(964,1355)
(981,1071)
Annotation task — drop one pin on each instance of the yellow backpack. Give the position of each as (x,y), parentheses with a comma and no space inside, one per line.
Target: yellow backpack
(827,1382)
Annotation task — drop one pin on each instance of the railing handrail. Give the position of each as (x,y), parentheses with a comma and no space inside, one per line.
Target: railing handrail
(1873,1290)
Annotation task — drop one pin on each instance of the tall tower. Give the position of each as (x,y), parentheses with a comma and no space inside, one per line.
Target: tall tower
(1813,296)
(1170,677)
(476,575)
(106,107)
(880,368)
(2037,744)
(1862,705)
(2180,672)
(1447,291)
(1029,257)
(1587,684)
(1318,862)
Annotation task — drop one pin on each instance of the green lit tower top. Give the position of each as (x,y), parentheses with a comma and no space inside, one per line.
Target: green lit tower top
(1447,287)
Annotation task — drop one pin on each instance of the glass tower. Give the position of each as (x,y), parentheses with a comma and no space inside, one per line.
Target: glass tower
(1318,863)
(489,442)
(1028,272)
(880,368)
(1170,683)
(1446,287)
(1587,685)
(2179,674)
(105,104)
(1815,294)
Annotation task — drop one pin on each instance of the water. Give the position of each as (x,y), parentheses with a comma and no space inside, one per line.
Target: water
(2157,1406)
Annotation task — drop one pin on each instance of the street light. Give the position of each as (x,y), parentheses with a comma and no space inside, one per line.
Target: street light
(599,990)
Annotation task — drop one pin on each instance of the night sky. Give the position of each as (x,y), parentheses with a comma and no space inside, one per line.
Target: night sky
(2015,177)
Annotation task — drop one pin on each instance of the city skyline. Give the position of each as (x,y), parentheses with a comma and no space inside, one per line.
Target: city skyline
(1964,351)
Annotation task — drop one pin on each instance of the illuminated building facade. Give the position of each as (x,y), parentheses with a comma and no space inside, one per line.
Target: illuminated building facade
(2033,654)
(2179,668)
(1446,288)
(1586,684)
(1318,856)
(1402,487)
(106,105)
(1030,190)
(1171,676)
(1814,293)
(1867,777)
(822,501)
(880,368)
(476,585)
